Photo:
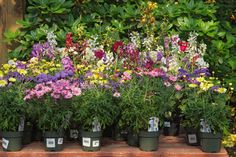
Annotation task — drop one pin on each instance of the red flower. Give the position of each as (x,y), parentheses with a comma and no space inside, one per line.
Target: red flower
(183,45)
(99,54)
(149,64)
(69,40)
(118,44)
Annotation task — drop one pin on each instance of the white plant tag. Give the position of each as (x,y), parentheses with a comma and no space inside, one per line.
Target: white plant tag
(5,143)
(74,133)
(167,124)
(60,141)
(96,125)
(86,142)
(153,124)
(21,124)
(192,138)
(96,143)
(50,143)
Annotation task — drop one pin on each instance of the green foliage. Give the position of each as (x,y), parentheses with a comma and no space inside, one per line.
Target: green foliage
(138,103)
(210,106)
(51,114)
(94,103)
(12,107)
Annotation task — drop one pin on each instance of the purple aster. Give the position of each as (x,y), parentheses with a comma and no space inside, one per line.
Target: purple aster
(159,55)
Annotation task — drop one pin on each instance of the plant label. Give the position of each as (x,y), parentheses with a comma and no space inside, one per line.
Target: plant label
(96,143)
(5,143)
(50,143)
(192,138)
(60,141)
(86,142)
(204,127)
(167,124)
(74,133)
(21,124)
(153,124)
(96,125)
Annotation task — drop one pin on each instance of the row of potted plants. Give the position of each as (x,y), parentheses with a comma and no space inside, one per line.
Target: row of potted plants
(138,85)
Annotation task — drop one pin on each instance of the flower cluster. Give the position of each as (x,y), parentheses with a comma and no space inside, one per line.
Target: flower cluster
(60,89)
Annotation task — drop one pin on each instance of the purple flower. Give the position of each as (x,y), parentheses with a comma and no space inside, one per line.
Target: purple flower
(159,56)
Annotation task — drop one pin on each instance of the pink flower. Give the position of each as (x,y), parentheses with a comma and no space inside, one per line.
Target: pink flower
(55,96)
(116,94)
(178,87)
(76,91)
(68,95)
(173,78)
(167,84)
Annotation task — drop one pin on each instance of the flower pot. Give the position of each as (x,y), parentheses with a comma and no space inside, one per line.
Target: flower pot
(53,141)
(148,141)
(132,139)
(210,142)
(192,137)
(118,134)
(27,134)
(91,141)
(12,141)
(171,128)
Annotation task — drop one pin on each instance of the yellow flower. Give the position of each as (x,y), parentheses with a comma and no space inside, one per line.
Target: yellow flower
(200,79)
(11,79)
(192,85)
(221,90)
(22,71)
(58,65)
(1,74)
(6,66)
(230,84)
(129,71)
(3,83)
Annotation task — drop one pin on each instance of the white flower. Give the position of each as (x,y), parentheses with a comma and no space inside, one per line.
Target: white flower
(201,63)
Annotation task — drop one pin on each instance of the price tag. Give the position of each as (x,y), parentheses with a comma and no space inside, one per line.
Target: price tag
(21,124)
(167,124)
(50,142)
(192,138)
(96,143)
(74,133)
(60,141)
(5,143)
(86,142)
(96,125)
(153,124)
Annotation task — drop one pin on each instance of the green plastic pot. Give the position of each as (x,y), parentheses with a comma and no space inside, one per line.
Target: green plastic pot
(172,129)
(27,134)
(210,142)
(53,141)
(12,141)
(91,141)
(192,137)
(148,141)
(132,140)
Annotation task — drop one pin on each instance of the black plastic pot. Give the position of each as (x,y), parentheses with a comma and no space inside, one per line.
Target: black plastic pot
(148,141)
(53,141)
(210,142)
(12,141)
(118,134)
(27,134)
(192,137)
(171,128)
(132,140)
(91,141)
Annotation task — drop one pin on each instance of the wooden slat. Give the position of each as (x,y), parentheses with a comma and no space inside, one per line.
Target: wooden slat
(10,11)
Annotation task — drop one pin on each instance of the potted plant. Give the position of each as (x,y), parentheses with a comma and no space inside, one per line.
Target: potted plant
(12,112)
(93,111)
(52,104)
(205,109)
(139,112)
